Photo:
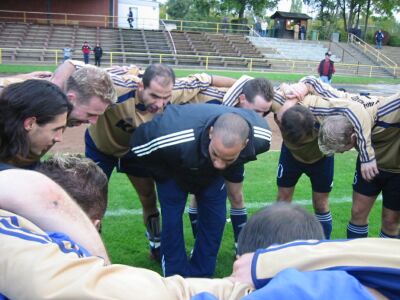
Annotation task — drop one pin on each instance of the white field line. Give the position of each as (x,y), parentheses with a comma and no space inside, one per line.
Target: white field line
(119,212)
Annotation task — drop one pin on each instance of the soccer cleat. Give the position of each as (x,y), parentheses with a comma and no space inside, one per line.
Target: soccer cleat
(153,234)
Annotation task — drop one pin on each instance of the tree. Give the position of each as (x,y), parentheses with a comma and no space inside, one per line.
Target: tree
(178,9)
(296,6)
(258,6)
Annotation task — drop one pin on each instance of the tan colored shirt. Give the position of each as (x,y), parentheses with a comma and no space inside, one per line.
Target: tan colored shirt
(34,267)
(383,114)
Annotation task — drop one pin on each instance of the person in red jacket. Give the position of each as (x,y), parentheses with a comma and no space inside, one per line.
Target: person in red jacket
(326,68)
(86,52)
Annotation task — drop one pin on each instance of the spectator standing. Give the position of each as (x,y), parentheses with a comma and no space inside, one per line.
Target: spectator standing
(130,18)
(67,52)
(303,32)
(326,68)
(296,30)
(264,28)
(258,27)
(379,36)
(86,52)
(225,24)
(98,53)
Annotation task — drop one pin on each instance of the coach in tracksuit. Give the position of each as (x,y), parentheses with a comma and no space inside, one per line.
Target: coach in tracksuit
(197,149)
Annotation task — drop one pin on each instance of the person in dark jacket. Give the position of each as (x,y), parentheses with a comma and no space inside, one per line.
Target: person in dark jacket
(326,68)
(98,53)
(197,149)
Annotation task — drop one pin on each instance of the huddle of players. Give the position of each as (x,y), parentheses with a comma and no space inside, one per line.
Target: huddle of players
(372,122)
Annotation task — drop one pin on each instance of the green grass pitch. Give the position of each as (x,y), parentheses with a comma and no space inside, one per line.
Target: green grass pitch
(123,229)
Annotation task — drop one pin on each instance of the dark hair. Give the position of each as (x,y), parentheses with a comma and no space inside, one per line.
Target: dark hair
(82,179)
(278,223)
(32,98)
(297,124)
(161,71)
(258,87)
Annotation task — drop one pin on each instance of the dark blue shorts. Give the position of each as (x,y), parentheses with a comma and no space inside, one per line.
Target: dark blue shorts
(290,170)
(386,182)
(126,164)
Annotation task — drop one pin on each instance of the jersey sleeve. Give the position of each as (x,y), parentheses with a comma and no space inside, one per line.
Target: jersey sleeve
(187,88)
(231,97)
(126,70)
(367,259)
(355,113)
(58,274)
(317,87)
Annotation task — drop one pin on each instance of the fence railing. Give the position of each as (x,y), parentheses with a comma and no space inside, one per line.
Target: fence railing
(389,64)
(109,21)
(54,57)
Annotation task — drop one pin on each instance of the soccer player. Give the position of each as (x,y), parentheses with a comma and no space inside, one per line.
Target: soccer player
(338,134)
(140,97)
(255,94)
(197,149)
(278,224)
(82,179)
(294,160)
(89,90)
(33,118)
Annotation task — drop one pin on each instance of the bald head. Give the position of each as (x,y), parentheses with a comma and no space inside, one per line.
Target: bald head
(229,136)
(232,129)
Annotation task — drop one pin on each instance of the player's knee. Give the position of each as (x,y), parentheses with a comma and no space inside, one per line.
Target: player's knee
(359,213)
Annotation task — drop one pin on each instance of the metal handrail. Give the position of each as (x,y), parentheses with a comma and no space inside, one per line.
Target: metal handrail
(355,40)
(170,35)
(290,65)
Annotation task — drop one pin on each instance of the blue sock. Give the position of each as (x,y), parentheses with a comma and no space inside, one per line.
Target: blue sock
(193,220)
(238,219)
(357,231)
(384,235)
(326,222)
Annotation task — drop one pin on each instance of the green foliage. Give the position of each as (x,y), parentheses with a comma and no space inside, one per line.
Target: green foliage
(296,6)
(394,41)
(177,9)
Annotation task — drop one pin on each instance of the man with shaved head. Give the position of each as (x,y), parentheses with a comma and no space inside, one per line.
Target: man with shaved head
(199,149)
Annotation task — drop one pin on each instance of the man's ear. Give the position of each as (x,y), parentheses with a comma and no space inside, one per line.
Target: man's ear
(141,85)
(353,138)
(242,99)
(245,143)
(210,132)
(29,123)
(97,224)
(72,97)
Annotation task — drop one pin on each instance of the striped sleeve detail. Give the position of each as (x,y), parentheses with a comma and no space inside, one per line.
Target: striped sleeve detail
(164,141)
(126,82)
(361,141)
(213,92)
(196,83)
(262,133)
(278,97)
(232,95)
(319,87)
(124,70)
(7,227)
(388,108)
